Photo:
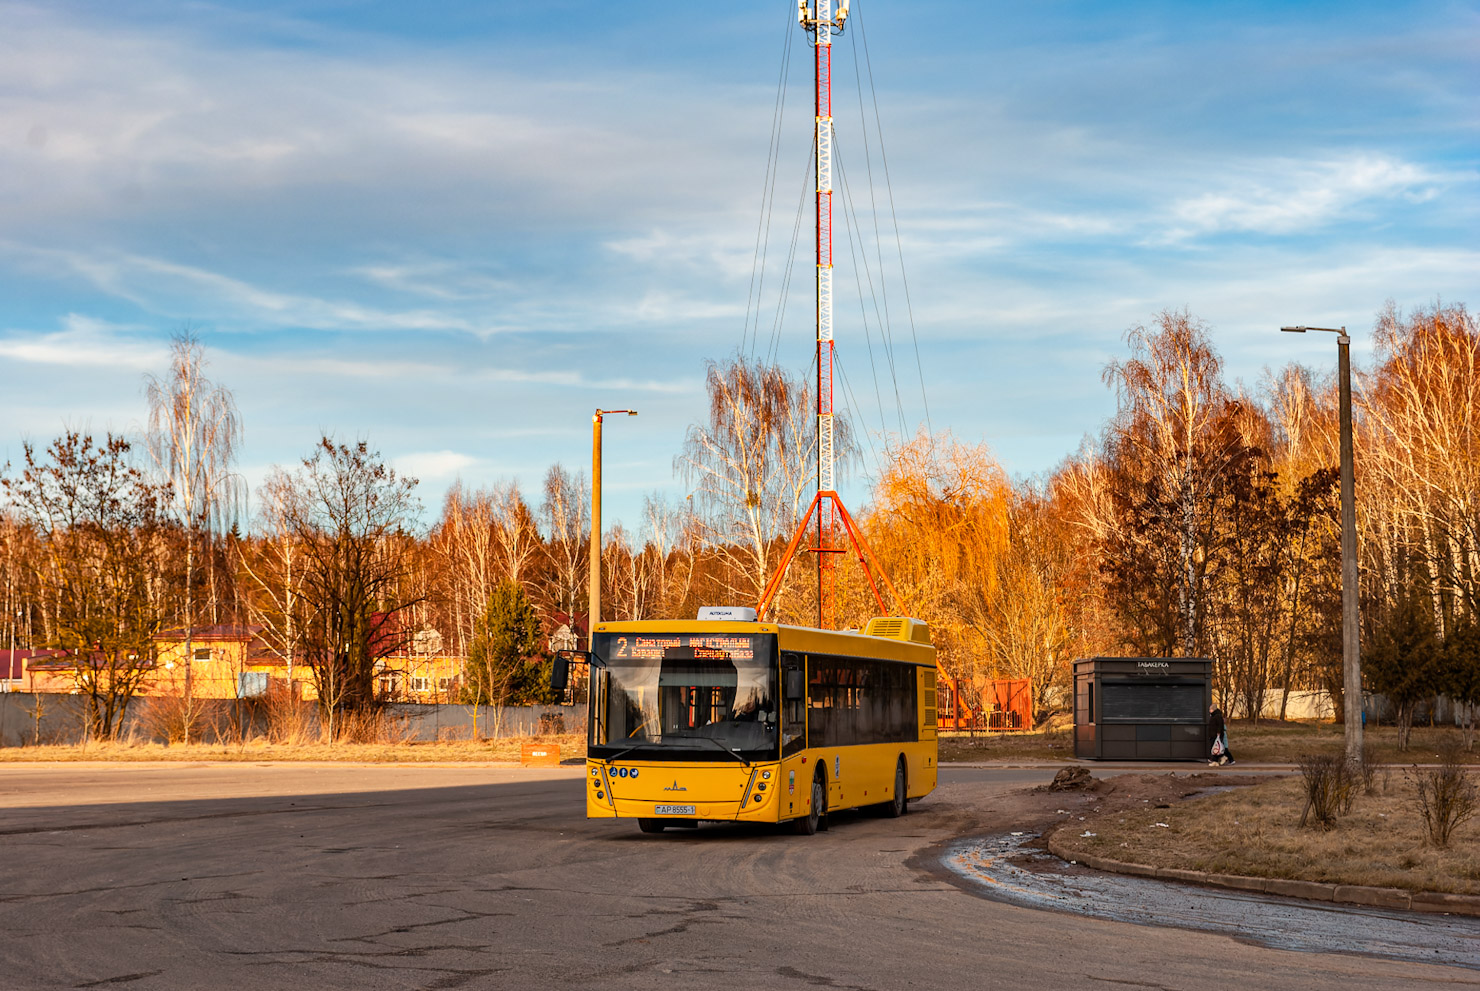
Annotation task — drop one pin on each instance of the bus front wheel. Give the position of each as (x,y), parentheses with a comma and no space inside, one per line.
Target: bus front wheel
(815,817)
(651,825)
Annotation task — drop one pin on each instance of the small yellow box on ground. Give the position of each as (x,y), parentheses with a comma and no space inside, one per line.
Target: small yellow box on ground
(540,755)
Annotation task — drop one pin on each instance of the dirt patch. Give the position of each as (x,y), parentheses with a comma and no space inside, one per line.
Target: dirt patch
(1130,790)
(1194,823)
(1041,809)
(1077,809)
(1037,812)
(1073,779)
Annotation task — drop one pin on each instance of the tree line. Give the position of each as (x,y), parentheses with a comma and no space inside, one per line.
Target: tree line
(1200,520)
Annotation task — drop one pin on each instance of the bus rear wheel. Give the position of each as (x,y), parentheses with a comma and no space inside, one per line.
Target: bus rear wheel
(809,823)
(899,804)
(651,825)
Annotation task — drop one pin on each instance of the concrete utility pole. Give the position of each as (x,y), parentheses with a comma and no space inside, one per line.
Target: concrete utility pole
(594,609)
(1351,633)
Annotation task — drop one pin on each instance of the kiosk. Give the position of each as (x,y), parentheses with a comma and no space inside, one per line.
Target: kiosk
(1142,708)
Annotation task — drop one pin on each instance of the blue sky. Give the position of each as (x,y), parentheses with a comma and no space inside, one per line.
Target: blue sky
(456,229)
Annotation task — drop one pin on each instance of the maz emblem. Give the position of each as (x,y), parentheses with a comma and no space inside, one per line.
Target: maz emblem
(675,787)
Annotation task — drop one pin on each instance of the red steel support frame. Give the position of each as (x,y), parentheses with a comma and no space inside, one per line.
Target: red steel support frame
(865,554)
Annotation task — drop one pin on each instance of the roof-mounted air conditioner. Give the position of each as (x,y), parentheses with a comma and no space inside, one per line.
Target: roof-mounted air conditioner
(899,628)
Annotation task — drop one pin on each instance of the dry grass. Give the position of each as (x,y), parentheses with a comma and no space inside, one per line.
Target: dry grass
(1006,746)
(1255,832)
(451,751)
(1270,742)
(1284,743)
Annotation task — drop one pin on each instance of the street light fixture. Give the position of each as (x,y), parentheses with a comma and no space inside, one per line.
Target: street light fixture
(1351,644)
(594,612)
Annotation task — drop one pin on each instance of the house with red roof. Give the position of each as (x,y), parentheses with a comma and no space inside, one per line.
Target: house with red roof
(40,670)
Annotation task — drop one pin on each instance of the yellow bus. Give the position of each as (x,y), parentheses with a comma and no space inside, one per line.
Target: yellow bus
(740,721)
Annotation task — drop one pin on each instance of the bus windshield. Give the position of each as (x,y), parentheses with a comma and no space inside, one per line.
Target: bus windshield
(686,692)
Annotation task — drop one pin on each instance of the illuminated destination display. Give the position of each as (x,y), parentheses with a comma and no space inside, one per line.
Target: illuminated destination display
(657,646)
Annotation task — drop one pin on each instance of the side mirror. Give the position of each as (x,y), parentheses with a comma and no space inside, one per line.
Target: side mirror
(560,667)
(796,685)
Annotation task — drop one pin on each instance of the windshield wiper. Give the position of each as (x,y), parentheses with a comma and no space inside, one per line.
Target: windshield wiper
(733,753)
(624,753)
(706,739)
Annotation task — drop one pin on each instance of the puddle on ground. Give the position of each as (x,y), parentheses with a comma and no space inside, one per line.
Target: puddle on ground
(1005,868)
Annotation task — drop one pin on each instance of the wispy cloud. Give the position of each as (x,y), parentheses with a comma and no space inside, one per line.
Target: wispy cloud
(434,465)
(456,369)
(85,342)
(441,280)
(114,120)
(171,288)
(729,253)
(1290,196)
(571,379)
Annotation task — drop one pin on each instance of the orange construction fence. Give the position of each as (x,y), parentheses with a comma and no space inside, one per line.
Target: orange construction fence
(1001,705)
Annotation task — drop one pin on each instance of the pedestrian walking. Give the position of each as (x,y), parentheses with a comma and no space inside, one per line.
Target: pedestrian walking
(1218,737)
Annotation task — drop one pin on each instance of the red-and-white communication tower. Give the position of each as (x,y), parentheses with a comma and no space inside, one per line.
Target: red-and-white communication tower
(819,20)
(822,20)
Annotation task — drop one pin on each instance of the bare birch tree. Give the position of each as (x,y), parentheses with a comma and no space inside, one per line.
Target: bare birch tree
(484,538)
(1172,438)
(194,433)
(273,562)
(753,467)
(566,514)
(671,546)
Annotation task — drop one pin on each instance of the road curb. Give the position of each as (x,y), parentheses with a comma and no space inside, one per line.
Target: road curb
(1341,894)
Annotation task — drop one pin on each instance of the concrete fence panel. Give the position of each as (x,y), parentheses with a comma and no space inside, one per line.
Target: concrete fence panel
(28,719)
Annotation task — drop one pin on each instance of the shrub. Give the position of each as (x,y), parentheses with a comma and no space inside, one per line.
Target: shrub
(371,726)
(175,719)
(288,719)
(1367,768)
(1329,784)
(1447,796)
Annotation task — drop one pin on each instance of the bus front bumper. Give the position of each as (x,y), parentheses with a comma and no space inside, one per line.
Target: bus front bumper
(755,798)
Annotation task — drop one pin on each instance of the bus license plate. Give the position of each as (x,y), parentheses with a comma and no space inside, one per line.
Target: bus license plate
(673,810)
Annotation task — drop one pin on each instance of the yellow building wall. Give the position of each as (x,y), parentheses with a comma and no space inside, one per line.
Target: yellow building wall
(213,671)
(420,678)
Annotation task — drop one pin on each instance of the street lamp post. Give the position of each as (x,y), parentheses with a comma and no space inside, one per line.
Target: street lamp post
(594,612)
(1351,643)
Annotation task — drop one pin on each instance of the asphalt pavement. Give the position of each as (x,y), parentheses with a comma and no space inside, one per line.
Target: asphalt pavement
(247,876)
